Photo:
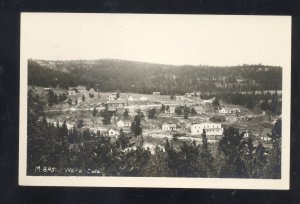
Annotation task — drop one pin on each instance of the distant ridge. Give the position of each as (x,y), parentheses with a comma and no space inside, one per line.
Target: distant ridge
(143,77)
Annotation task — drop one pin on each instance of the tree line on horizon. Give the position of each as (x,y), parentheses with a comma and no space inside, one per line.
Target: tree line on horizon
(127,76)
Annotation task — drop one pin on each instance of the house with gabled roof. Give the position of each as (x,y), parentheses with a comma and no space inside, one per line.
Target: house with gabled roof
(124,123)
(168,126)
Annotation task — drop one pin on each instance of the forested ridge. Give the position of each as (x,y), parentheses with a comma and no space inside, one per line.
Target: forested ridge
(140,77)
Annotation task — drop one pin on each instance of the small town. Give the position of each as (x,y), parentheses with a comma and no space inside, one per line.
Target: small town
(174,117)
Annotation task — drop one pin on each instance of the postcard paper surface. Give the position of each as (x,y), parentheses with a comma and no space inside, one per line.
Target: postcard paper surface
(140,100)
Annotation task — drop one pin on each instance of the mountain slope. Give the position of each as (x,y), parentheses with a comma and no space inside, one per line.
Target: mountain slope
(123,75)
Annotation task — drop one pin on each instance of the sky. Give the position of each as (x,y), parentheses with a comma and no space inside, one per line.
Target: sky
(167,39)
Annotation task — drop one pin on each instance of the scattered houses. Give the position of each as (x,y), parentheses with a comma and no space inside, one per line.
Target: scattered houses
(168,126)
(112,96)
(264,135)
(130,98)
(212,129)
(124,123)
(119,103)
(229,110)
(179,97)
(71,92)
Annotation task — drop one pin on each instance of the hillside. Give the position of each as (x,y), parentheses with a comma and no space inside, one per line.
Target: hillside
(141,77)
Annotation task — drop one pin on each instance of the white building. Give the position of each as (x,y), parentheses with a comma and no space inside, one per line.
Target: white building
(130,98)
(124,123)
(71,92)
(168,126)
(170,110)
(265,138)
(179,97)
(113,132)
(210,128)
(223,110)
(156,93)
(143,98)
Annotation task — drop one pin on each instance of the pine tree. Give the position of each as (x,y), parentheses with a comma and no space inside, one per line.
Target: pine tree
(126,114)
(106,116)
(274,163)
(186,115)
(193,111)
(94,112)
(69,101)
(162,108)
(206,156)
(152,113)
(136,125)
(83,98)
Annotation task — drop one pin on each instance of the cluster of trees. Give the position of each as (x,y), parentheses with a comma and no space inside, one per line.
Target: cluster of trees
(104,75)
(136,128)
(106,115)
(54,98)
(152,113)
(179,110)
(164,107)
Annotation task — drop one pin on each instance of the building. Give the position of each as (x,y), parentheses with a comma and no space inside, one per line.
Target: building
(119,103)
(113,96)
(212,129)
(130,98)
(113,132)
(179,97)
(156,93)
(188,95)
(218,118)
(143,98)
(198,93)
(235,110)
(171,110)
(168,126)
(245,131)
(124,123)
(223,110)
(264,135)
(71,92)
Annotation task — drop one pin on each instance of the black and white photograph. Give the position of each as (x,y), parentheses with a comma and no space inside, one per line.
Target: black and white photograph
(155,100)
